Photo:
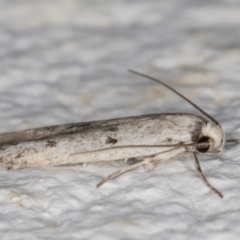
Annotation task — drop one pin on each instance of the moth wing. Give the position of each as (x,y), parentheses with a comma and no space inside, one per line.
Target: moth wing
(104,125)
(99,140)
(63,129)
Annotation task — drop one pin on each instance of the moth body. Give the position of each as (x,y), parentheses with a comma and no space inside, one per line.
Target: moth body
(109,140)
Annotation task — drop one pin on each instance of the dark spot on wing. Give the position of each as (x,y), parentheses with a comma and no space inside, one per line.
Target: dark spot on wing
(132,161)
(169,139)
(51,143)
(110,140)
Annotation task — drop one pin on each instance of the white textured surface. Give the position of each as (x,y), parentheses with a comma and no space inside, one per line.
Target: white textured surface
(66,61)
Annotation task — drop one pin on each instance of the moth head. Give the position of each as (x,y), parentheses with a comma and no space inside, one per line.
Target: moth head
(214,136)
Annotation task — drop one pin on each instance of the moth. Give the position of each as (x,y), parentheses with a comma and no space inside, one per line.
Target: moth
(140,140)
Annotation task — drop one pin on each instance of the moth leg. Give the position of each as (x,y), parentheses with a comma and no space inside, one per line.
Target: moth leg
(162,156)
(119,172)
(204,178)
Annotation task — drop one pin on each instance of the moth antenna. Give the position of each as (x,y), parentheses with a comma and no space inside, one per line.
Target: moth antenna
(176,92)
(126,169)
(204,178)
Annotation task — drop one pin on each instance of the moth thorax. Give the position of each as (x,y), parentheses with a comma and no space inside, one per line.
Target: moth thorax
(212,139)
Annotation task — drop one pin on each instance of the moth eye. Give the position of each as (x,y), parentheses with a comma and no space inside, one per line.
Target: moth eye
(203,149)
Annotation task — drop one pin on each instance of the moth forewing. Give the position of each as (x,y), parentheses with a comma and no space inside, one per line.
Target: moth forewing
(107,140)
